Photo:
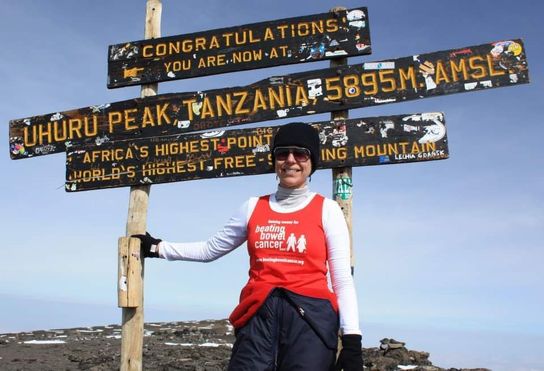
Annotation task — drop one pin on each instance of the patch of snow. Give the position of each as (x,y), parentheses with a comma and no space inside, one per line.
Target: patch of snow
(230,329)
(182,344)
(44,342)
(407,367)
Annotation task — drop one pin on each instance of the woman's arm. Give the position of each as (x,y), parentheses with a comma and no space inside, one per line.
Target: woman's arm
(233,234)
(337,237)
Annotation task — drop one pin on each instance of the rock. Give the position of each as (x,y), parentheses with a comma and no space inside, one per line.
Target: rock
(194,346)
(387,344)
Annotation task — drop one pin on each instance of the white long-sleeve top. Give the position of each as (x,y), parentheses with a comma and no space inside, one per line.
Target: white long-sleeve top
(234,234)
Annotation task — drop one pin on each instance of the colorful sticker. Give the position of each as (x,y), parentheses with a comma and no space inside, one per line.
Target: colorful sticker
(17,149)
(342,187)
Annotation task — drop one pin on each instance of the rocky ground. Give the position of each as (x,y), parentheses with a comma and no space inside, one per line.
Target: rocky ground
(202,346)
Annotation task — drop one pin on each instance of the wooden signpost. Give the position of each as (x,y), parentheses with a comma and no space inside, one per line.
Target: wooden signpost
(219,154)
(467,69)
(130,284)
(342,183)
(145,140)
(284,41)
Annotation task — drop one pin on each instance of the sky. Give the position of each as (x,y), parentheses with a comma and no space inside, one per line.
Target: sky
(449,253)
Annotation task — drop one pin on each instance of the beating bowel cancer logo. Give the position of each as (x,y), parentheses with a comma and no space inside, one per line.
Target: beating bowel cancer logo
(274,236)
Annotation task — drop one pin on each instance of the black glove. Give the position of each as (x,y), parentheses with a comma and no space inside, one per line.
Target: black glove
(148,244)
(351,355)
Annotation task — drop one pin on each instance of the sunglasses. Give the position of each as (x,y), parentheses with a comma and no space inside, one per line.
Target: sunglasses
(299,154)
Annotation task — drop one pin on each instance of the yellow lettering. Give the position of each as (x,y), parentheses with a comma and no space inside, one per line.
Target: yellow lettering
(27,142)
(187,46)
(222,105)
(303,29)
(369,79)
(276,97)
(387,79)
(160,49)
(252,38)
(114,118)
(288,94)
(75,128)
(94,131)
(473,66)
(143,151)
(161,113)
(247,56)
(268,34)
(131,171)
(189,103)
(301,98)
(282,29)
(181,65)
(284,50)
(227,37)
(358,151)
(259,101)
(239,110)
(407,75)
(64,136)
(214,43)
(173,47)
(240,40)
(207,110)
(129,118)
(147,118)
(492,70)
(460,66)
(441,75)
(317,27)
(332,25)
(335,88)
(200,43)
(145,52)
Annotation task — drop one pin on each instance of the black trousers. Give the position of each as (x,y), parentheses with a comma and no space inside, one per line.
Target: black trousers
(289,332)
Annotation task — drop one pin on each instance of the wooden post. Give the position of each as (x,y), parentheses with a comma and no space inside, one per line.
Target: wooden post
(341,177)
(133,316)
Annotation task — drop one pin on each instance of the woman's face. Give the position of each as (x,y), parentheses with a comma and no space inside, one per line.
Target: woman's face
(292,168)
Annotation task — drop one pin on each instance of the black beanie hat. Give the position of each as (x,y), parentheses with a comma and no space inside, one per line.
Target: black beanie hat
(301,135)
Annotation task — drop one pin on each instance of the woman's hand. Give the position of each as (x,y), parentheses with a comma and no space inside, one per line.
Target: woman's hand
(351,355)
(150,245)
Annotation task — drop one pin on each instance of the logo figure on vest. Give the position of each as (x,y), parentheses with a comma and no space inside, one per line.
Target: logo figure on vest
(293,243)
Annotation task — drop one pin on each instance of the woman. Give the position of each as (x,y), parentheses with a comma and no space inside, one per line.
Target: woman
(287,318)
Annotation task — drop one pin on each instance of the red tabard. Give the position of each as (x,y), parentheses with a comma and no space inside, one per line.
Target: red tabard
(286,250)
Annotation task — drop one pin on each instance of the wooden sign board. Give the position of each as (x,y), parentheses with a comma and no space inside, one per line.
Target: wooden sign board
(285,41)
(219,154)
(467,69)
